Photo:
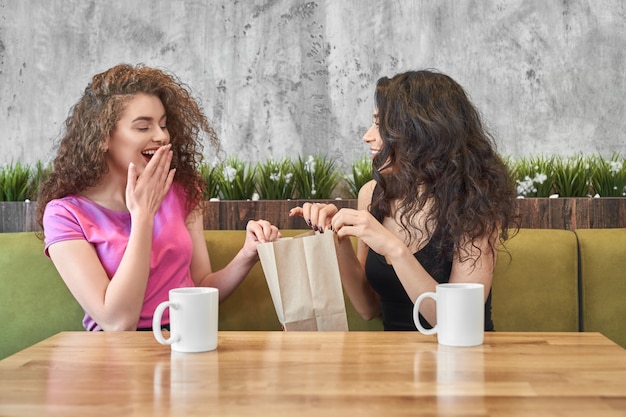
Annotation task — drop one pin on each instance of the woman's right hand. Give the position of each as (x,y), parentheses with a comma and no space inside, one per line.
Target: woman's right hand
(145,192)
(317,215)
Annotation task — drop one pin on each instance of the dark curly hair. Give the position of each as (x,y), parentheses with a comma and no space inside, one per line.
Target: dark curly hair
(80,161)
(443,161)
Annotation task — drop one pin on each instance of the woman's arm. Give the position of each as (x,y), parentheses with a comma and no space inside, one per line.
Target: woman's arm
(228,278)
(116,304)
(363,297)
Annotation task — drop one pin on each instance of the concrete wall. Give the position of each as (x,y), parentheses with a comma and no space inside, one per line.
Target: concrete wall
(288,77)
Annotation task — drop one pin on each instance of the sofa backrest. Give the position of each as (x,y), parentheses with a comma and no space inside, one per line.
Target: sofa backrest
(535,284)
(535,287)
(34,301)
(603,282)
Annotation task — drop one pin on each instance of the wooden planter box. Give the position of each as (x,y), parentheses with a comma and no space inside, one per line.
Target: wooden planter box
(572,213)
(17,216)
(535,213)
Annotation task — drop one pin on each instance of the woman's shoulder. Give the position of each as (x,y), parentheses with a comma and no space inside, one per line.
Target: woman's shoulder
(68,203)
(366,192)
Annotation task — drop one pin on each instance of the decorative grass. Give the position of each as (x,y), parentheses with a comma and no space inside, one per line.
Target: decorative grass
(317,177)
(275,180)
(361,175)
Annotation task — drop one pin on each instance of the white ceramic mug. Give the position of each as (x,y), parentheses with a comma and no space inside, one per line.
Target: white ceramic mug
(460,314)
(193,319)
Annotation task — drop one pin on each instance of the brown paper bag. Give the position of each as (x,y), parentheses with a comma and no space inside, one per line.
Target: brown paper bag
(302,274)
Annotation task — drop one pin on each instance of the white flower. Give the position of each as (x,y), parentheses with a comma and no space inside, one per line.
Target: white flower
(230,173)
(275,176)
(288,177)
(615,167)
(309,165)
(255,197)
(540,178)
(525,187)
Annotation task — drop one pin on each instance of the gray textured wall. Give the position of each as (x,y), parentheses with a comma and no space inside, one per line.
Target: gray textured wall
(288,77)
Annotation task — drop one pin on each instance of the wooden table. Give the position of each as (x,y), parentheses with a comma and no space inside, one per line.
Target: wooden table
(317,374)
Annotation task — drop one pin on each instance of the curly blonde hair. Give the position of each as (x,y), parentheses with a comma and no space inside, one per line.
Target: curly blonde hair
(80,160)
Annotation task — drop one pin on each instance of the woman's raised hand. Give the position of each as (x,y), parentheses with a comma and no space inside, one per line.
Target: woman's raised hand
(145,193)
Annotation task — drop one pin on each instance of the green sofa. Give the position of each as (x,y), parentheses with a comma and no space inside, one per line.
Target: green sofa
(545,280)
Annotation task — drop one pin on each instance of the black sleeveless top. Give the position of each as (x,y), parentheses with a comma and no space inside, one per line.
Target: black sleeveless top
(396,306)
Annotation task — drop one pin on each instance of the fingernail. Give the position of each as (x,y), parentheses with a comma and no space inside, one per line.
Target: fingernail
(308,222)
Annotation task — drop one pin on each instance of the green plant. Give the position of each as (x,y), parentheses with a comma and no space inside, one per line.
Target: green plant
(608,176)
(38,175)
(274,179)
(534,175)
(15,182)
(361,174)
(236,180)
(572,176)
(211,174)
(316,177)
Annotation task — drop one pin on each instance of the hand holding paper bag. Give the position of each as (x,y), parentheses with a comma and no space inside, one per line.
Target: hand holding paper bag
(302,274)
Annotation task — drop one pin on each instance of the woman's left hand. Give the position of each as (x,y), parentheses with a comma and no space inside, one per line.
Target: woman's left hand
(259,231)
(361,224)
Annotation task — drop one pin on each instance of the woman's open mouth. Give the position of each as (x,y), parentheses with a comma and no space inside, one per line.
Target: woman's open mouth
(147,155)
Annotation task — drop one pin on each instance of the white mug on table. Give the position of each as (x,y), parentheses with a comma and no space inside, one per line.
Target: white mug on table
(193,319)
(460,314)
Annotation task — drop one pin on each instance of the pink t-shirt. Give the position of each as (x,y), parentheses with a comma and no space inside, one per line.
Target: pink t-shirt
(76,217)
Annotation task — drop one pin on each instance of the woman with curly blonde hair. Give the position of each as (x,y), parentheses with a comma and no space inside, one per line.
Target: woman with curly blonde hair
(440,202)
(121,211)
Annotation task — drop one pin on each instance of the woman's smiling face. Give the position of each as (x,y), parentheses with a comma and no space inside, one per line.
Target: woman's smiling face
(372,136)
(375,142)
(140,131)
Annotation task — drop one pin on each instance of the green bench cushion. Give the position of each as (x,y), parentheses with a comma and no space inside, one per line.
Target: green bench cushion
(535,284)
(603,283)
(35,301)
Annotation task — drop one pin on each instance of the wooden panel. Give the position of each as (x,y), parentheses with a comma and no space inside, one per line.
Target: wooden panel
(234,215)
(534,213)
(17,216)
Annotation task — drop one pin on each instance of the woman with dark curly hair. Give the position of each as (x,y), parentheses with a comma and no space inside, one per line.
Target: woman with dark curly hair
(440,202)
(121,211)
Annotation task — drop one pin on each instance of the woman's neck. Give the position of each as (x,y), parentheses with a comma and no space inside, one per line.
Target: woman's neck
(108,193)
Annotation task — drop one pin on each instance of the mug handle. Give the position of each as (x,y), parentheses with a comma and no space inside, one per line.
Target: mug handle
(156,323)
(416,313)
